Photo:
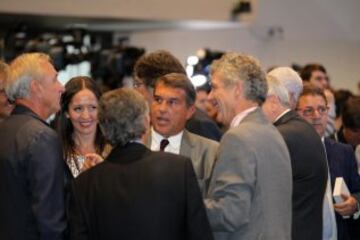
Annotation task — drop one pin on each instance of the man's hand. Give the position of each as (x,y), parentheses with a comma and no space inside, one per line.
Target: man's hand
(348,207)
(91,160)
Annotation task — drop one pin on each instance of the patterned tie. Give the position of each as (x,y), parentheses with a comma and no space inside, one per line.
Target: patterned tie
(163,144)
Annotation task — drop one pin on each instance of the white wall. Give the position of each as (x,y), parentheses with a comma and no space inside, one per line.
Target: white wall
(341,58)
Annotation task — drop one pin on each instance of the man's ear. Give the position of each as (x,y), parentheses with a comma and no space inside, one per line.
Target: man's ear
(190,111)
(239,88)
(35,88)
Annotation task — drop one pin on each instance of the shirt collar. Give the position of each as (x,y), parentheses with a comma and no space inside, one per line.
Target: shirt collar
(282,114)
(240,116)
(174,141)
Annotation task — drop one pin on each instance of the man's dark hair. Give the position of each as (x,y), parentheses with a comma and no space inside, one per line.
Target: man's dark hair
(181,81)
(205,87)
(156,64)
(351,113)
(310,89)
(307,70)
(341,96)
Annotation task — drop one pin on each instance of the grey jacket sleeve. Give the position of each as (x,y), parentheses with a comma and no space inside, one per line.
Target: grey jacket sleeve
(232,185)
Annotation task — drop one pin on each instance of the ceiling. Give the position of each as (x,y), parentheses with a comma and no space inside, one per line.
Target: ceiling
(305,20)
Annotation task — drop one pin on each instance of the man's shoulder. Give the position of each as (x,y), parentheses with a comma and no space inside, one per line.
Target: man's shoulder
(25,126)
(149,160)
(337,146)
(197,139)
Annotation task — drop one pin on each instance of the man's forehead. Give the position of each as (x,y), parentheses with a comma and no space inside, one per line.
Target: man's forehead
(169,92)
(311,99)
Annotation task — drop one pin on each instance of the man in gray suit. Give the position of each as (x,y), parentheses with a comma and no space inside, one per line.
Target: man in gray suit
(173,104)
(250,190)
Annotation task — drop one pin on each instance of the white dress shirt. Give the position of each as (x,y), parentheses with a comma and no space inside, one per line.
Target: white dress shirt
(329,220)
(172,147)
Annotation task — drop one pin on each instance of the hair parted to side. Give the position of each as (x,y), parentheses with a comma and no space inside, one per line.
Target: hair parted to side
(312,90)
(153,65)
(233,67)
(278,90)
(22,70)
(122,116)
(290,79)
(181,81)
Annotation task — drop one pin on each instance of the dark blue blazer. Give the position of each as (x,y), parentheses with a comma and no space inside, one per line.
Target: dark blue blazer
(342,163)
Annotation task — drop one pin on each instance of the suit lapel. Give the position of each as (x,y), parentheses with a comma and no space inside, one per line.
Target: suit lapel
(186,144)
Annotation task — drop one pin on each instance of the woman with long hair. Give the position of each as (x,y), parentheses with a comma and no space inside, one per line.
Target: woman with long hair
(83,143)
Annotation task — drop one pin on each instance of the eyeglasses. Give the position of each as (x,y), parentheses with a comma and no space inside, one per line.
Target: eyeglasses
(310,111)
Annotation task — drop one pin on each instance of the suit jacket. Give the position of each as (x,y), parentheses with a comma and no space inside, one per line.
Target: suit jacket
(202,152)
(250,191)
(31,179)
(342,163)
(309,170)
(201,124)
(138,194)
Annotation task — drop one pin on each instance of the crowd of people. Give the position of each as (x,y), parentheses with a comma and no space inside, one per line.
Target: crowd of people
(256,155)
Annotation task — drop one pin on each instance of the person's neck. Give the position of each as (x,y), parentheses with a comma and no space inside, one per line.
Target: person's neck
(84,143)
(34,106)
(243,105)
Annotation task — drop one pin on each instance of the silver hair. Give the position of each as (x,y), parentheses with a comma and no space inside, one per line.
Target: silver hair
(290,79)
(234,67)
(277,89)
(122,116)
(22,70)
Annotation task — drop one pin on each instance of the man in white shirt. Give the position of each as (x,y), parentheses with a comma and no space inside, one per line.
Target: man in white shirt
(172,105)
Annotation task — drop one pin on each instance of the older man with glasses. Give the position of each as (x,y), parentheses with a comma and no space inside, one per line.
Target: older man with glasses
(312,106)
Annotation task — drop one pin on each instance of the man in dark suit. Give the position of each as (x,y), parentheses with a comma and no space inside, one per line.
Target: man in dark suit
(308,161)
(31,164)
(135,193)
(157,64)
(312,106)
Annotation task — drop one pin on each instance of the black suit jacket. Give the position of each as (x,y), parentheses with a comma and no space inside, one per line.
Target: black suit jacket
(138,194)
(309,170)
(201,124)
(342,163)
(31,179)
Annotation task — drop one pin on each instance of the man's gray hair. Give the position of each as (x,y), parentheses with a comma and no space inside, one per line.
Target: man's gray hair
(290,79)
(233,67)
(122,116)
(22,70)
(277,89)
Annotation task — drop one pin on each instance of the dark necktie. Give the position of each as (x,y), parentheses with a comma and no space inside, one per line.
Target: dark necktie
(163,144)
